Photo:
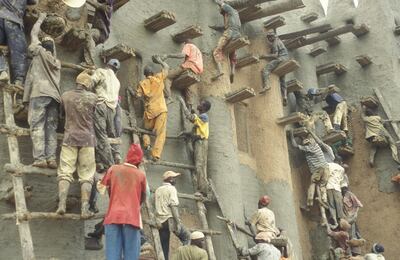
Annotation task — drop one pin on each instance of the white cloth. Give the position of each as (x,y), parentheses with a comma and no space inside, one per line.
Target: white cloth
(336,177)
(165,197)
(264,220)
(106,87)
(373,256)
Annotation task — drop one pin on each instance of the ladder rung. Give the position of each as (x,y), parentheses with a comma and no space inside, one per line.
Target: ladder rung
(28,169)
(20,131)
(139,130)
(170,164)
(46,215)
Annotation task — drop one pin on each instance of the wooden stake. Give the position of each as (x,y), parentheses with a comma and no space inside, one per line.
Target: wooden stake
(20,203)
(46,215)
(203,219)
(388,111)
(147,206)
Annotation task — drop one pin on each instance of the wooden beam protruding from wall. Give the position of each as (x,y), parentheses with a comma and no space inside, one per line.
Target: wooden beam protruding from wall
(339,69)
(294,85)
(316,29)
(240,95)
(120,51)
(274,22)
(364,60)
(159,21)
(185,80)
(236,44)
(246,61)
(310,17)
(318,50)
(190,32)
(286,67)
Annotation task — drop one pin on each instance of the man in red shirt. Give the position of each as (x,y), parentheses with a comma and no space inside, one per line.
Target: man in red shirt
(127,189)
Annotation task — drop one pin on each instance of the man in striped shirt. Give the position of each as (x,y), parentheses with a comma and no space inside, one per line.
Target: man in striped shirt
(312,147)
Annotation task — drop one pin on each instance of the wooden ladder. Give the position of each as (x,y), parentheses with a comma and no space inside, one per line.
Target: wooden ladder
(18,183)
(148,205)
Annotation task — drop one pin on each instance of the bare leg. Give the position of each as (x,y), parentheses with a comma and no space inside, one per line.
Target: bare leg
(372,154)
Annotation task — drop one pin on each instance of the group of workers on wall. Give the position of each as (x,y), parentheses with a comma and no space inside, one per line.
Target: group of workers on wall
(93,116)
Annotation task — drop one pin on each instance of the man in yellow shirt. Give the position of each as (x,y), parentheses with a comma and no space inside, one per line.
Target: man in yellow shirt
(155,108)
(199,136)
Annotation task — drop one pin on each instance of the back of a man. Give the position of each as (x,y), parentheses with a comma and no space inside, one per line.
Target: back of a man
(79,112)
(190,252)
(152,89)
(194,58)
(265,251)
(264,220)
(374,126)
(126,185)
(107,87)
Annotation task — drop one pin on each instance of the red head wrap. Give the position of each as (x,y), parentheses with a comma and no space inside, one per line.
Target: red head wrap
(134,155)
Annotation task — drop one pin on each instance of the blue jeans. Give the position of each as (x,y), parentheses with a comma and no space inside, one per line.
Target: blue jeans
(122,242)
(12,35)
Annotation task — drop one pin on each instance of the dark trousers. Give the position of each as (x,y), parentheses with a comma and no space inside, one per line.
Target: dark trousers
(273,64)
(43,121)
(335,202)
(104,128)
(165,232)
(200,160)
(12,34)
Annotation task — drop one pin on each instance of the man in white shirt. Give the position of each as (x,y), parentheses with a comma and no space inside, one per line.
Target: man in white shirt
(334,193)
(263,220)
(107,88)
(167,212)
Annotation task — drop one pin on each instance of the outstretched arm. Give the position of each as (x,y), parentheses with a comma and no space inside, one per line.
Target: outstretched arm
(186,111)
(97,5)
(175,56)
(36,29)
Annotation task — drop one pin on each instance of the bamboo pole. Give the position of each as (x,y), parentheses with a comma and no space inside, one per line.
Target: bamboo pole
(46,215)
(27,169)
(240,228)
(203,219)
(20,203)
(170,164)
(275,8)
(147,205)
(323,36)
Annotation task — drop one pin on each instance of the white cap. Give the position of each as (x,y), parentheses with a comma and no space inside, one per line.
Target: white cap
(170,174)
(196,235)
(74,3)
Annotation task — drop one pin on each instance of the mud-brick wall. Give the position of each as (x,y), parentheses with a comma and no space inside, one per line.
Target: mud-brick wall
(240,178)
(371,185)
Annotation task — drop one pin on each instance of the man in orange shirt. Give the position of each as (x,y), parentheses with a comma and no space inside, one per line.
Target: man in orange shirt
(193,61)
(155,108)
